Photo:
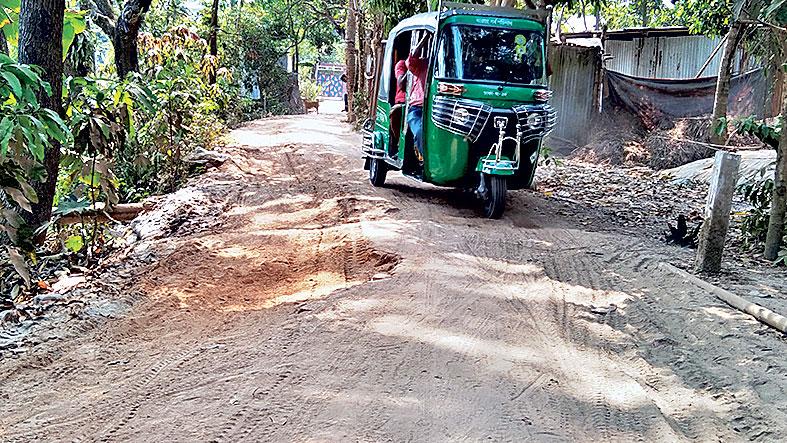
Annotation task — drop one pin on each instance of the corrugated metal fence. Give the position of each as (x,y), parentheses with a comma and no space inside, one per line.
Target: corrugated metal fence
(664,57)
(576,73)
(577,70)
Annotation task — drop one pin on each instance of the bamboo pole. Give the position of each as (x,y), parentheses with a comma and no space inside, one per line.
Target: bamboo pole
(762,314)
(712,54)
(122,212)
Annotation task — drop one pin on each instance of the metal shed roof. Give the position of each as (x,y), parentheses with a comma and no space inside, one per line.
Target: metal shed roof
(632,33)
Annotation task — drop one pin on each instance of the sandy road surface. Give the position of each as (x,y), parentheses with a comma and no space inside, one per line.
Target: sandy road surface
(288,300)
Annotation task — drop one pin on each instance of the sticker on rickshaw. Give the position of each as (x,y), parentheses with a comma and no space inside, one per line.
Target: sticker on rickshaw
(521,46)
(494,21)
(496,93)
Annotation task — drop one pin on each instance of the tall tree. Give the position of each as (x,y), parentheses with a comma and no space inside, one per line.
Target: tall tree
(123,30)
(718,130)
(774,16)
(773,240)
(213,38)
(41,43)
(350,34)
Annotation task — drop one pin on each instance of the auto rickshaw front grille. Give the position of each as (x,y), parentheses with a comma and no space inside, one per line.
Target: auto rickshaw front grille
(460,116)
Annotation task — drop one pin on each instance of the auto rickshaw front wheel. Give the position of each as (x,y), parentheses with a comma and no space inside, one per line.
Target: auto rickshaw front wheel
(378,169)
(495,196)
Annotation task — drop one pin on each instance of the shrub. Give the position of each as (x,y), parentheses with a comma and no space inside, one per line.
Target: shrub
(310,90)
(25,133)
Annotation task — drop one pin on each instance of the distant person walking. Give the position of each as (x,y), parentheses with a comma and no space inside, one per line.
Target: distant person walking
(344,90)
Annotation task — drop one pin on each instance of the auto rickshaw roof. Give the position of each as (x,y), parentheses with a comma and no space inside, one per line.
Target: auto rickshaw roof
(429,20)
(452,8)
(419,21)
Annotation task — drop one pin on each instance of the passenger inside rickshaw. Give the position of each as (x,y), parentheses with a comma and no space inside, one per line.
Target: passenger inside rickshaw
(418,65)
(407,92)
(398,90)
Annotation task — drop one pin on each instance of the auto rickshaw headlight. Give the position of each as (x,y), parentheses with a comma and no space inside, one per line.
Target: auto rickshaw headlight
(461,116)
(534,121)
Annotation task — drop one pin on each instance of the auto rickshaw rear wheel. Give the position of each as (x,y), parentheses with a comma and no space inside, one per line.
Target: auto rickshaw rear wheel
(378,169)
(495,196)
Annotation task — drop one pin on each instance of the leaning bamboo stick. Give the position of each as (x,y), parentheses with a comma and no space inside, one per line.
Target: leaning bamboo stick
(762,314)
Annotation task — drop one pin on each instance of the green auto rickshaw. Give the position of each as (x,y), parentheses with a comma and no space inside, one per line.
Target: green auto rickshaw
(485,110)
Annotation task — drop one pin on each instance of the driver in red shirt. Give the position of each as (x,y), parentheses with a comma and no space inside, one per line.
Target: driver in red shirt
(415,116)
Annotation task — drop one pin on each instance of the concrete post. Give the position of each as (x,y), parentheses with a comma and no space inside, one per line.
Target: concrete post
(724,179)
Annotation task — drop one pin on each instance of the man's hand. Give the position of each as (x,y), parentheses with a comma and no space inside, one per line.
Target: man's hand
(402,81)
(420,44)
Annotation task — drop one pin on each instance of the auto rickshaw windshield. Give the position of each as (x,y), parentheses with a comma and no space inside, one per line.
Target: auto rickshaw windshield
(486,54)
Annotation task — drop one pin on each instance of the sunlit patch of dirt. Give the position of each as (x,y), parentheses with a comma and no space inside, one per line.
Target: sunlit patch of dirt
(302,212)
(262,271)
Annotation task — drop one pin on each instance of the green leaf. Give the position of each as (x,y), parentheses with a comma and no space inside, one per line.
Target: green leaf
(75,243)
(11,31)
(4,18)
(58,128)
(92,179)
(13,83)
(27,74)
(73,24)
(11,4)
(68,207)
(6,131)
(775,6)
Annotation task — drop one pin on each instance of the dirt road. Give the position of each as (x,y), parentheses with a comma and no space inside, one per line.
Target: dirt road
(288,300)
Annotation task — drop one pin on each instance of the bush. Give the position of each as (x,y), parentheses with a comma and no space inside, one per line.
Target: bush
(25,133)
(310,90)
(755,223)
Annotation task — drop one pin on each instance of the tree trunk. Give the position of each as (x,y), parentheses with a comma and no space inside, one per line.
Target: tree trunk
(213,38)
(296,58)
(350,54)
(125,39)
(773,240)
(41,43)
(718,132)
(644,13)
(3,43)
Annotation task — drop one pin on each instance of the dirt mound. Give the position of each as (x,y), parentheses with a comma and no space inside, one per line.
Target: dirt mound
(671,147)
(262,271)
(616,140)
(620,138)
